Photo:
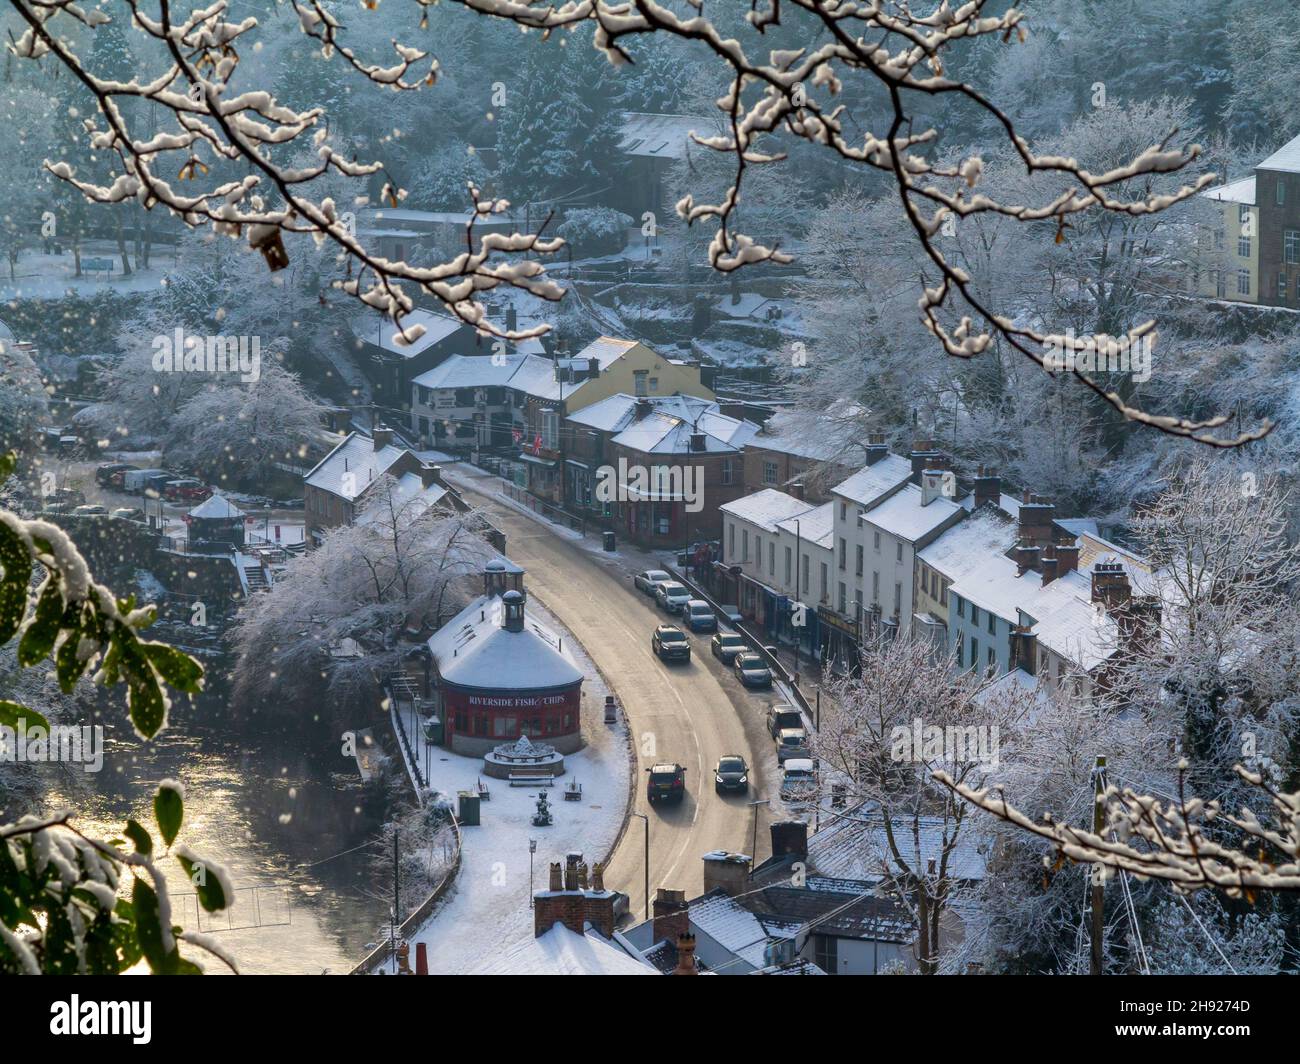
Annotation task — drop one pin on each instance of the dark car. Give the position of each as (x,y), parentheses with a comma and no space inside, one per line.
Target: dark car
(781,716)
(751,671)
(699,616)
(732,774)
(670,643)
(104,473)
(667,782)
(726,645)
(117,476)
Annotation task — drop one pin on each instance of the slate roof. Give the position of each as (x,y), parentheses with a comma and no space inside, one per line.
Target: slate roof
(355,455)
(474,650)
(871,483)
(767,508)
(854,846)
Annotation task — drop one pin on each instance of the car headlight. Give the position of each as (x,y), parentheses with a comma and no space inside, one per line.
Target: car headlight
(743,779)
(719,779)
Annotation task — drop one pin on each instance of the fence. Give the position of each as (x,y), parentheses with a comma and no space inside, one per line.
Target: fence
(550,511)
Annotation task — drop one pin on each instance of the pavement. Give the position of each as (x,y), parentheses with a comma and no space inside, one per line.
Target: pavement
(692,714)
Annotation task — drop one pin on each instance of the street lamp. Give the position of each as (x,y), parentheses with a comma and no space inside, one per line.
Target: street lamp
(753,848)
(532,849)
(647,862)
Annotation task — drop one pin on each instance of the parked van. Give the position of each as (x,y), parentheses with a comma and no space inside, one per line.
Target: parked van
(136,480)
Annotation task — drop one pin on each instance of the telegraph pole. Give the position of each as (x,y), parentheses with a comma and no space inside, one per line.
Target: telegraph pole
(1098,890)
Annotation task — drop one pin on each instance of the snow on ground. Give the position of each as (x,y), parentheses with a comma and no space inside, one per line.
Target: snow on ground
(41,276)
(486,914)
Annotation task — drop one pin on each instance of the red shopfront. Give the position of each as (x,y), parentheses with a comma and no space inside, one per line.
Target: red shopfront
(478,720)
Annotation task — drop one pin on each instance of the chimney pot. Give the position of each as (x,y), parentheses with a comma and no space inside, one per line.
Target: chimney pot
(671,915)
(686,955)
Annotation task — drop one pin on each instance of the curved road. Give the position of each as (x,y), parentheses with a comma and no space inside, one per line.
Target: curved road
(691,714)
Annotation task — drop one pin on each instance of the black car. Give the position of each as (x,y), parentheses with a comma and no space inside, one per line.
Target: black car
(726,645)
(732,774)
(751,671)
(670,643)
(667,783)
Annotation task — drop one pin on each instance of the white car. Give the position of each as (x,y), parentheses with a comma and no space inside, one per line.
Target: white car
(799,781)
(672,596)
(651,579)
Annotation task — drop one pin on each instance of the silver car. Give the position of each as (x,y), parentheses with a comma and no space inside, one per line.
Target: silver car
(791,743)
(672,596)
(648,580)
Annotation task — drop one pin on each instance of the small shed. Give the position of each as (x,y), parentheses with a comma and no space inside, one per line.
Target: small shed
(216,524)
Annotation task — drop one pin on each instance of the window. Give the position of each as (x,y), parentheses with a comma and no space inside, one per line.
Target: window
(875,587)
(1281,286)
(974,652)
(1291,247)
(974,614)
(803,580)
(993,625)
(1243,282)
(771,558)
(992,661)
(825,582)
(844,553)
(731,544)
(858,553)
(758,552)
(824,954)
(640,378)
(744,540)
(844,600)
(788,575)
(899,551)
(960,645)
(898,599)
(1220,284)
(877,542)
(769,472)
(1243,247)
(1243,216)
(925,579)
(550,429)
(1280,192)
(844,511)
(654,384)
(943,590)
(726,471)
(960,606)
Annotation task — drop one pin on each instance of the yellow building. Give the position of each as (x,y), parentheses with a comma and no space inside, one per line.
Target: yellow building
(1227,251)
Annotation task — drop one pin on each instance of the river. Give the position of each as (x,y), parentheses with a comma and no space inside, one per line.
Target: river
(256,803)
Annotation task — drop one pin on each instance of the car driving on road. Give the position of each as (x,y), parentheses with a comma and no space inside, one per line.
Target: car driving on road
(672,596)
(667,783)
(726,645)
(669,643)
(647,581)
(732,774)
(751,671)
(699,617)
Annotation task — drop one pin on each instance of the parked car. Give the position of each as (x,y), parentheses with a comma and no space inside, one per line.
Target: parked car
(187,489)
(118,476)
(698,616)
(799,781)
(136,480)
(732,774)
(669,643)
(672,596)
(104,473)
(650,579)
(90,510)
(751,671)
(128,513)
(781,715)
(667,782)
(791,743)
(726,645)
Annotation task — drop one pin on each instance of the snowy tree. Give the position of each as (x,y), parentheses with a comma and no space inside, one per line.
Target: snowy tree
(400,567)
(869,753)
(24,404)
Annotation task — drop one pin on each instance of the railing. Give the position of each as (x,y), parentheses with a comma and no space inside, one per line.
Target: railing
(550,511)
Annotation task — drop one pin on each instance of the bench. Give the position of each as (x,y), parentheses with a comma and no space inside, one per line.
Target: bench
(97,266)
(573,792)
(526,780)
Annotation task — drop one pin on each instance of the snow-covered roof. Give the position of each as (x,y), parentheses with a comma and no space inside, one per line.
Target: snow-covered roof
(816,526)
(525,371)
(357,456)
(1242,191)
(868,485)
(903,515)
(665,423)
(731,926)
(1285,158)
(473,649)
(767,508)
(379,331)
(216,508)
(410,495)
(661,136)
(970,543)
(805,435)
(561,951)
(855,846)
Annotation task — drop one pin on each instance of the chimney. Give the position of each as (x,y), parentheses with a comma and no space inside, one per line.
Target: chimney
(789,838)
(513,621)
(556,872)
(598,877)
(923,457)
(932,481)
(876,447)
(1024,649)
(1139,622)
(569,902)
(672,916)
(686,955)
(988,487)
(1049,563)
(1026,557)
(571,860)
(1067,557)
(430,475)
(383,437)
(1110,585)
(1036,516)
(642,408)
(697,441)
(512,319)
(730,871)
(593,368)
(796,490)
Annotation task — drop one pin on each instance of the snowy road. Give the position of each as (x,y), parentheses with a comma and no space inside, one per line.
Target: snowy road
(692,714)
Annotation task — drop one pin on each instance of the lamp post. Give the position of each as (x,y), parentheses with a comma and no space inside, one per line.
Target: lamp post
(753,847)
(532,849)
(647,862)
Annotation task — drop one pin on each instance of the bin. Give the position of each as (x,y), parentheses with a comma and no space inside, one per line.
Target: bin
(609,541)
(468,809)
